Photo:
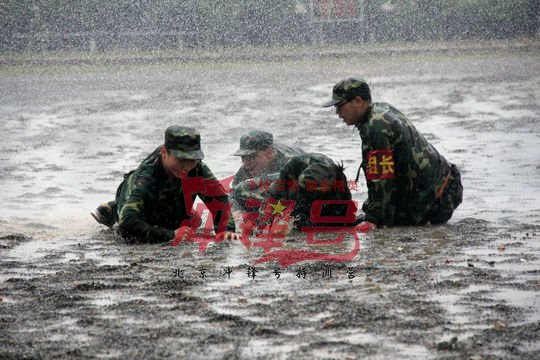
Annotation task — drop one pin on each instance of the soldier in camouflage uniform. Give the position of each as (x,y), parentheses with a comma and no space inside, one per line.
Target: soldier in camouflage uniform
(261,161)
(260,156)
(150,203)
(304,179)
(408,181)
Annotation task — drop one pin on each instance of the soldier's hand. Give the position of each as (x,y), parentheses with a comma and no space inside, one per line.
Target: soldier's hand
(279,228)
(247,228)
(365,227)
(182,234)
(227,235)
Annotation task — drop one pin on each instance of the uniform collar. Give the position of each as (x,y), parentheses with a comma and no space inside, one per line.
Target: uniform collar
(366,117)
(159,170)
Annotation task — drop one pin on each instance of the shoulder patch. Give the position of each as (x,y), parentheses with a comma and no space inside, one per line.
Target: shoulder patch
(143,180)
(381,165)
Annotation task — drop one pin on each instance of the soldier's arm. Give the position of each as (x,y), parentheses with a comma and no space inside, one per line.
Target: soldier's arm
(217,201)
(379,208)
(238,178)
(132,223)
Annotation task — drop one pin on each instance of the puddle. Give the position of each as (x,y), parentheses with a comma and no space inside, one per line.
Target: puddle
(528,299)
(262,347)
(103,258)
(35,250)
(25,273)
(70,257)
(462,312)
(116,297)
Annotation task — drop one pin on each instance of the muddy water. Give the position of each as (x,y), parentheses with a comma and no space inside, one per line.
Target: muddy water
(70,288)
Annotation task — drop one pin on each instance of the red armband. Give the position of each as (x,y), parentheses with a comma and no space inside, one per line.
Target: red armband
(381,165)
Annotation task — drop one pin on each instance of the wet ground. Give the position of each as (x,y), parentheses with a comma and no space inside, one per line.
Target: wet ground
(70,288)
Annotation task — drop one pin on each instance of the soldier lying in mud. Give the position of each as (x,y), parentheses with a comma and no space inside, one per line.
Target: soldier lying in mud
(151,204)
(310,188)
(261,156)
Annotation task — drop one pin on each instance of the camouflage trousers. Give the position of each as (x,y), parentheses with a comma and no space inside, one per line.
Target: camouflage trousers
(451,197)
(114,204)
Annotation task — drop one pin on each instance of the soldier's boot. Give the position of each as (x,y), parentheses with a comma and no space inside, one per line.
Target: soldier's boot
(104,214)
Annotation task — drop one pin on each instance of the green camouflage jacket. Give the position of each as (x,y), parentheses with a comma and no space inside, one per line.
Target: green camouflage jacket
(309,177)
(403,170)
(151,205)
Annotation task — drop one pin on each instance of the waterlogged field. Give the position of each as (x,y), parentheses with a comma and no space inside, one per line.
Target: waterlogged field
(70,288)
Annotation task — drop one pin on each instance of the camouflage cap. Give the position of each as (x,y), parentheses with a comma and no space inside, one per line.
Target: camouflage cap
(347,89)
(254,141)
(184,142)
(317,177)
